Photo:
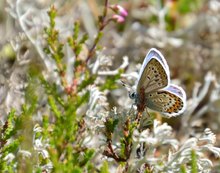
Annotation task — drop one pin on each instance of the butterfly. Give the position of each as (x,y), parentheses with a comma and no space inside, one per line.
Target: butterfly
(154,90)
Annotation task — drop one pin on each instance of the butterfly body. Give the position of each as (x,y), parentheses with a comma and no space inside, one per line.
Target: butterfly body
(140,100)
(154,89)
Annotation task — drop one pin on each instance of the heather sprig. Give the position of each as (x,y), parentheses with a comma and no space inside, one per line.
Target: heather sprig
(104,20)
(70,130)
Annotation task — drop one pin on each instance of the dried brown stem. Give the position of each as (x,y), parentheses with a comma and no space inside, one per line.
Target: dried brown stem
(109,152)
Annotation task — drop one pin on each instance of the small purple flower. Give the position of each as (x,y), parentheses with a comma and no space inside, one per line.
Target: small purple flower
(118,18)
(119,9)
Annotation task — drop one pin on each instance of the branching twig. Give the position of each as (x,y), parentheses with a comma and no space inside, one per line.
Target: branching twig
(102,24)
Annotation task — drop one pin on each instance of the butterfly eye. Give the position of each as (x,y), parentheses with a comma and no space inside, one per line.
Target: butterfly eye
(132,95)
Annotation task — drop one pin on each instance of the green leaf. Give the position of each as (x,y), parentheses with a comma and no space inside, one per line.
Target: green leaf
(81,99)
(182,169)
(53,106)
(104,168)
(89,80)
(52,14)
(77,170)
(11,147)
(76,30)
(186,6)
(110,82)
(83,39)
(9,125)
(78,49)
(87,156)
(51,89)
(110,124)
(194,162)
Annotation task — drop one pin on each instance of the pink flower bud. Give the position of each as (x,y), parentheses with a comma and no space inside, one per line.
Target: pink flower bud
(119,9)
(122,11)
(118,18)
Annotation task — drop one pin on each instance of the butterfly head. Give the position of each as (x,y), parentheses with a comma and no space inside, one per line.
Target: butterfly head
(132,95)
(131,92)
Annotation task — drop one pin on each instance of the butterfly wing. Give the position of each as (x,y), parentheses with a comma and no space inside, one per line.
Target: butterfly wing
(154,73)
(154,53)
(170,101)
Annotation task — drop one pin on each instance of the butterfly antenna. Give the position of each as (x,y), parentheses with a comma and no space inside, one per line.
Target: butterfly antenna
(131,109)
(129,89)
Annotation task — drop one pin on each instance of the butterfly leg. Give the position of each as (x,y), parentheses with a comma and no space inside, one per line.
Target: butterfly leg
(138,117)
(145,120)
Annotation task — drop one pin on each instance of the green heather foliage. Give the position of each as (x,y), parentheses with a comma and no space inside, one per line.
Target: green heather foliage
(66,151)
(65,139)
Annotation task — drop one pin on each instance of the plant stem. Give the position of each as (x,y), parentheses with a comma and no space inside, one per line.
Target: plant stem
(102,25)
